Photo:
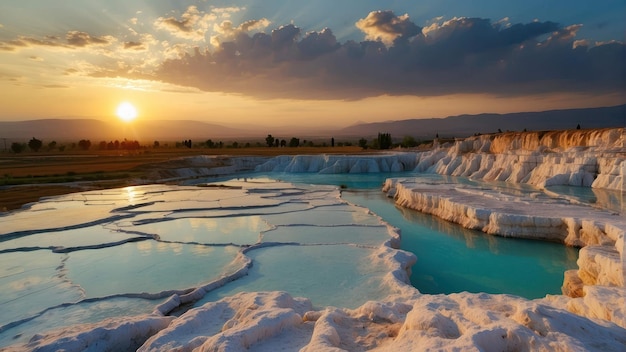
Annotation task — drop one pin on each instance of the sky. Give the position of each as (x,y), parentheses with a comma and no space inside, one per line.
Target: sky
(308,63)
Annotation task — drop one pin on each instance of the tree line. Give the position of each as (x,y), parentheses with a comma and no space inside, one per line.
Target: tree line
(382,142)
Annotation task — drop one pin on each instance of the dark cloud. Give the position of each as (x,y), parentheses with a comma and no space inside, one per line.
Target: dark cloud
(134,46)
(191,25)
(73,39)
(463,55)
(24,42)
(83,39)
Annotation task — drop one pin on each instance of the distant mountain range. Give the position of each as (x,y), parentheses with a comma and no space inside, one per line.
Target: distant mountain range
(175,130)
(466,125)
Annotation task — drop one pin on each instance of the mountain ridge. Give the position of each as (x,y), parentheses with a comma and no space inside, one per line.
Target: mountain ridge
(174,130)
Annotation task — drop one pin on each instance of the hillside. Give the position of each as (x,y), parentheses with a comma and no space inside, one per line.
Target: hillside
(178,130)
(466,125)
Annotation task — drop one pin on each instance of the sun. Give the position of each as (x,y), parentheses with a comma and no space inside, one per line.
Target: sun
(126,111)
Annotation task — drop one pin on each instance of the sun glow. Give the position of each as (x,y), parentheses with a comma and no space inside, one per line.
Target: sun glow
(126,111)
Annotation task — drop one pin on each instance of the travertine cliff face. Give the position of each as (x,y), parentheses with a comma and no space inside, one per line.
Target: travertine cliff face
(588,158)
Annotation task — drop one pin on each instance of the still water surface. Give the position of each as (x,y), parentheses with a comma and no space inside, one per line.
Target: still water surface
(450,258)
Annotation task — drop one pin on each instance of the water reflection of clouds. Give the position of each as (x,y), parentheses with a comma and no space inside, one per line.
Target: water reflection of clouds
(145,247)
(27,283)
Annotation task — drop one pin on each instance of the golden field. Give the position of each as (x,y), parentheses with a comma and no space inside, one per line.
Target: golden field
(26,177)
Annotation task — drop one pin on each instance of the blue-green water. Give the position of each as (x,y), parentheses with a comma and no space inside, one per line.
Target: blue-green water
(450,258)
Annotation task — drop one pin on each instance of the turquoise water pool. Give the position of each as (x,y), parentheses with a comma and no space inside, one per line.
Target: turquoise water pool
(451,258)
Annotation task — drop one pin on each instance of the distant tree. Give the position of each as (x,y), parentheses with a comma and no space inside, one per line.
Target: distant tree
(35,144)
(294,142)
(156,144)
(52,145)
(276,142)
(235,145)
(102,145)
(84,144)
(499,130)
(17,147)
(247,145)
(363,143)
(384,140)
(408,142)
(61,148)
(269,140)
(283,143)
(209,143)
(130,145)
(578,126)
(332,142)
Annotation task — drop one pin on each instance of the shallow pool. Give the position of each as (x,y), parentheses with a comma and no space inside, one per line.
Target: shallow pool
(451,258)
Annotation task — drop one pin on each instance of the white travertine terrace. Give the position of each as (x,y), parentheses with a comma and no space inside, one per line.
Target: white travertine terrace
(590,316)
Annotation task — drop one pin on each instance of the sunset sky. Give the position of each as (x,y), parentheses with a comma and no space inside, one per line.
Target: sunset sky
(307,62)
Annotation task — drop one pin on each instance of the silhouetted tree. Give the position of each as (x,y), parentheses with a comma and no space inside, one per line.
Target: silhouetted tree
(578,126)
(363,143)
(52,145)
(277,142)
(332,142)
(35,144)
(84,144)
(384,140)
(17,147)
(294,142)
(269,140)
(102,145)
(156,144)
(408,142)
(283,143)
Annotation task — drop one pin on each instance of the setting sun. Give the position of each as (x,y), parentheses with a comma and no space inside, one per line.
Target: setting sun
(126,111)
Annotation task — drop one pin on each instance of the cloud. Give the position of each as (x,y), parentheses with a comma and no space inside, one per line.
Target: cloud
(83,39)
(194,23)
(461,55)
(73,40)
(225,31)
(185,27)
(55,86)
(134,46)
(387,27)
